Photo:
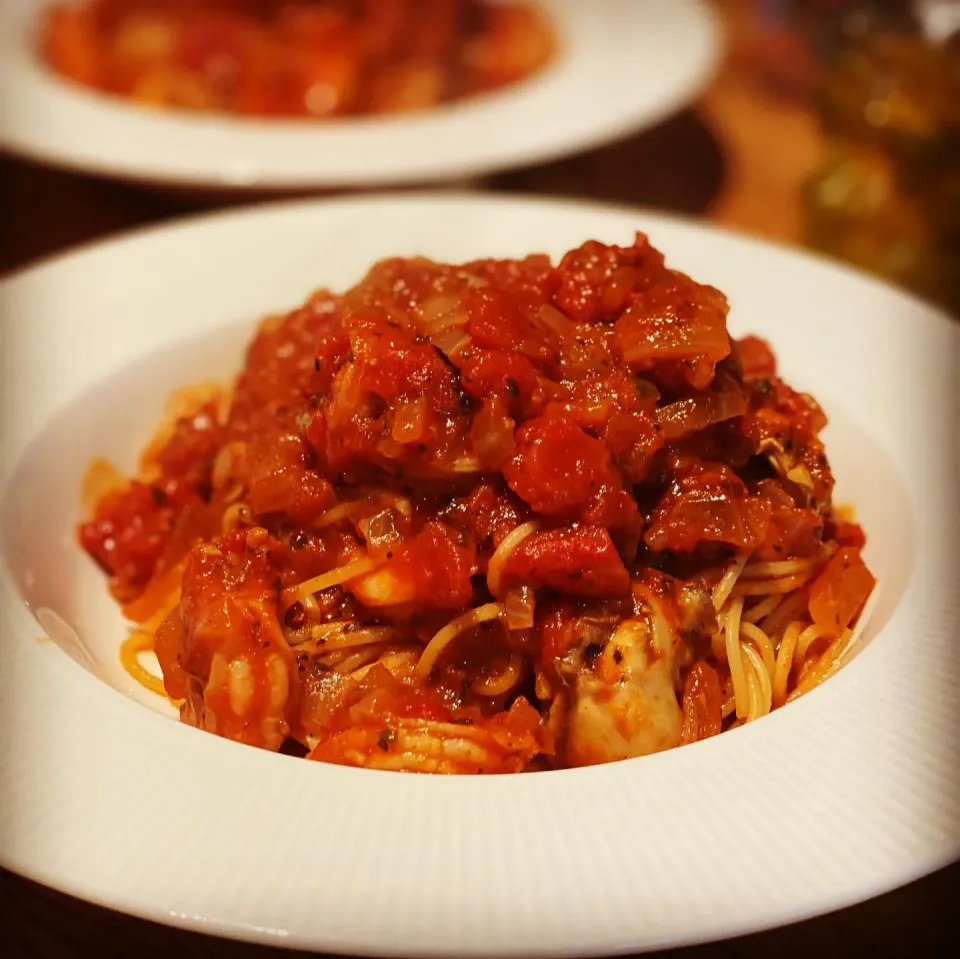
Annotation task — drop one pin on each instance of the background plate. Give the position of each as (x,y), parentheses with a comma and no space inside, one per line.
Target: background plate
(623,65)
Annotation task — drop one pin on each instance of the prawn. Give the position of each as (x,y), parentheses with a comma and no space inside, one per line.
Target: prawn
(624,678)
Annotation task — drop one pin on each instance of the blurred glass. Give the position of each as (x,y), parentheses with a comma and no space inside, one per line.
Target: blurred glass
(887,196)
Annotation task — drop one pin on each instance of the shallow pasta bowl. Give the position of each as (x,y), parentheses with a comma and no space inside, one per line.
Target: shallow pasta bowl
(845,793)
(620,67)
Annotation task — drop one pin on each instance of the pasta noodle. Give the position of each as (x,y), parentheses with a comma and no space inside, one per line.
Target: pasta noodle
(734,650)
(483,614)
(724,588)
(502,553)
(500,683)
(335,577)
(762,642)
(486,517)
(131,649)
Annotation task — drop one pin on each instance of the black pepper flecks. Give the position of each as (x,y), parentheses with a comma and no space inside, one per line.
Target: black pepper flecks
(591,652)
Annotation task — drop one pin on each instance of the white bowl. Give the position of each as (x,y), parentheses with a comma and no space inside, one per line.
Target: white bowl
(839,796)
(623,65)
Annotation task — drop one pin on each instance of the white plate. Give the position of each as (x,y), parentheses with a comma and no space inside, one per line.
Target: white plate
(622,66)
(844,794)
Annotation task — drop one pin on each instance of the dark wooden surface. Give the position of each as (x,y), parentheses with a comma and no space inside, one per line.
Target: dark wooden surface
(48,210)
(714,161)
(919,921)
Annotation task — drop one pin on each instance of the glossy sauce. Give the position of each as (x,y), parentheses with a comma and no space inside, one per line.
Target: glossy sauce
(437,508)
(305,59)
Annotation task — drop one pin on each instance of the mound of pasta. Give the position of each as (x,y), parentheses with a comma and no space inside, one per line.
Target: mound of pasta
(499,516)
(294,58)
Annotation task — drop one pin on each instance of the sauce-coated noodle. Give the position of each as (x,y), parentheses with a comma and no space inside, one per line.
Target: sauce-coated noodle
(486,517)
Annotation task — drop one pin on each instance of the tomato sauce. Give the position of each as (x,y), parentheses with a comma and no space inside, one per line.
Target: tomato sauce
(305,59)
(432,502)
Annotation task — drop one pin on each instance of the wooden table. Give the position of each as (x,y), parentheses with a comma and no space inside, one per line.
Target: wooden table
(713,161)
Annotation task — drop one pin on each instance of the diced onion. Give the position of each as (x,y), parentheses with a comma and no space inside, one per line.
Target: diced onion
(437,307)
(519,606)
(442,313)
(454,322)
(642,340)
(550,318)
(694,413)
(410,421)
(800,475)
(379,530)
(452,342)
(492,433)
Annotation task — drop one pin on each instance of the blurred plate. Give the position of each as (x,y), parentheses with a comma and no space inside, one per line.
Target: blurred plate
(622,65)
(841,795)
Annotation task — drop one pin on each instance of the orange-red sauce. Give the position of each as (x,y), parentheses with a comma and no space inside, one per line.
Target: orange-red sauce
(388,440)
(295,58)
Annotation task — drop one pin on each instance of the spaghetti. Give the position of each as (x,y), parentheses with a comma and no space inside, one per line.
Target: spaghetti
(484,518)
(132,648)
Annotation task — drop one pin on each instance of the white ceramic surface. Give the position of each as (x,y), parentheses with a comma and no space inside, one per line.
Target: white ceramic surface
(623,65)
(846,793)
